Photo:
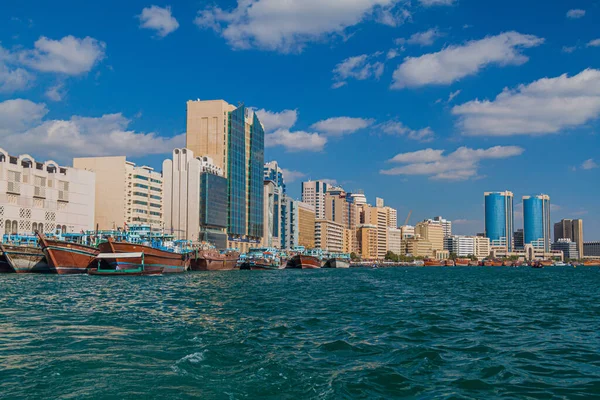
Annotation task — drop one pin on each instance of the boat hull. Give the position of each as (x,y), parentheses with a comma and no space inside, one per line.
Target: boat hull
(123,272)
(337,263)
(155,260)
(67,258)
(258,266)
(211,260)
(304,262)
(24,260)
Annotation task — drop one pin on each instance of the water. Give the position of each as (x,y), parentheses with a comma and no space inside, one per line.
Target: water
(328,334)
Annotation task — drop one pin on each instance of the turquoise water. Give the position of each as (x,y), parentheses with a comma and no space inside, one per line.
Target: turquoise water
(323,334)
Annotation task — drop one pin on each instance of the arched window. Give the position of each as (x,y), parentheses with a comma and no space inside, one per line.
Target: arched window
(7,227)
(57,229)
(34,226)
(15,228)
(41,227)
(64,229)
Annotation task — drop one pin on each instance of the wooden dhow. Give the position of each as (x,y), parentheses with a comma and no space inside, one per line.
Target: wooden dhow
(301,261)
(213,260)
(101,270)
(23,260)
(337,262)
(66,257)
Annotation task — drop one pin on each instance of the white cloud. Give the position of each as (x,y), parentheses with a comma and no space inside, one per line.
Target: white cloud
(545,106)
(398,128)
(292,176)
(569,49)
(295,141)
(69,55)
(456,62)
(575,13)
(393,53)
(56,92)
(289,26)
(273,121)
(79,136)
(426,38)
(589,164)
(430,3)
(453,95)
(330,182)
(358,67)
(462,164)
(594,43)
(339,126)
(14,79)
(159,19)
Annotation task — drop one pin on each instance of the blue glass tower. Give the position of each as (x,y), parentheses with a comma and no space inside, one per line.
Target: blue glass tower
(499,218)
(536,221)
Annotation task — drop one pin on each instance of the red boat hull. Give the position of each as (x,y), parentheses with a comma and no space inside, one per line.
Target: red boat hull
(212,260)
(155,260)
(304,262)
(68,258)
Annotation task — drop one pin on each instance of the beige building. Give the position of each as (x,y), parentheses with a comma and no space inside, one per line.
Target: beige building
(125,193)
(350,239)
(570,229)
(329,236)
(482,247)
(408,231)
(339,209)
(306,225)
(367,242)
(272,215)
(419,247)
(433,232)
(43,196)
(394,241)
(378,216)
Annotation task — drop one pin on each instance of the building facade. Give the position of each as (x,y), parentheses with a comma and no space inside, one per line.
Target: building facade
(462,246)
(313,193)
(591,249)
(483,247)
(394,240)
(568,248)
(43,196)
(234,138)
(306,225)
(499,218)
(367,242)
(536,221)
(433,232)
(290,229)
(519,239)
(446,225)
(126,194)
(329,236)
(272,215)
(419,247)
(195,199)
(570,229)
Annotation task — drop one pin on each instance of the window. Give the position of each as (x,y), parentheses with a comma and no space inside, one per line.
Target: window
(155,205)
(143,203)
(155,181)
(139,185)
(7,227)
(35,226)
(15,228)
(41,227)
(156,189)
(143,178)
(155,197)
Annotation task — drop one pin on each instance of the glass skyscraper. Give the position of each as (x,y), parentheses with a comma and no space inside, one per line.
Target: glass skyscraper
(499,219)
(536,221)
(213,209)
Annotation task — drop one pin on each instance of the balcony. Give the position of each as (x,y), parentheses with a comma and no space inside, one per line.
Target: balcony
(39,192)
(63,196)
(14,188)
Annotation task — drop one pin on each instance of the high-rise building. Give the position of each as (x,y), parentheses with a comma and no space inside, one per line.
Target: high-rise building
(536,221)
(359,198)
(306,225)
(462,246)
(519,239)
(570,229)
(340,208)
(499,219)
(367,242)
(329,236)
(44,196)
(313,193)
(591,249)
(125,193)
(394,242)
(408,231)
(378,216)
(195,199)
(568,248)
(234,138)
(446,225)
(272,214)
(433,232)
(273,173)
(290,229)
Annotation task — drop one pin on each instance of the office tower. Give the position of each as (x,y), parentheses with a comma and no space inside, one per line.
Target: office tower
(272,214)
(329,236)
(568,248)
(378,216)
(578,236)
(195,199)
(433,232)
(234,138)
(519,239)
(44,196)
(313,193)
(125,193)
(273,173)
(570,229)
(591,249)
(290,229)
(536,221)
(499,219)
(306,225)
(446,225)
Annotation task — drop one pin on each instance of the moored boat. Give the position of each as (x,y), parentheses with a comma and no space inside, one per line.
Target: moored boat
(23,259)
(590,263)
(154,259)
(337,262)
(428,262)
(213,260)
(492,263)
(301,261)
(66,257)
(128,270)
(462,262)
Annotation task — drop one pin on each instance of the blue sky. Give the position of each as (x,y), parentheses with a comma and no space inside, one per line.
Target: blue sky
(426,103)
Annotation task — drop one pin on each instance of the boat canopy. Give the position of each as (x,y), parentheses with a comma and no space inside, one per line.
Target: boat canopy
(120,255)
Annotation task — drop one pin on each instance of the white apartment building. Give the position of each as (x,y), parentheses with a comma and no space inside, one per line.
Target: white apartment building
(462,246)
(125,193)
(394,241)
(313,193)
(446,225)
(483,247)
(329,236)
(44,196)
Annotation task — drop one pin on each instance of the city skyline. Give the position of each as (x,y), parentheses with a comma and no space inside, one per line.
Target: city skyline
(72,88)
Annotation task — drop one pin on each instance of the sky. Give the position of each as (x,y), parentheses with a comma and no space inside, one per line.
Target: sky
(424,103)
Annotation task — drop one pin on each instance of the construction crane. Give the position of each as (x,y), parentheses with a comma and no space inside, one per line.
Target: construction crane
(408,218)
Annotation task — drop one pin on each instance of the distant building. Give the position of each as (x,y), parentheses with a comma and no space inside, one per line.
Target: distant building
(313,193)
(359,198)
(462,246)
(519,239)
(408,231)
(446,225)
(394,241)
(591,249)
(499,218)
(433,232)
(482,247)
(536,221)
(340,208)
(126,194)
(195,199)
(570,229)
(272,215)
(367,242)
(44,196)
(291,228)
(377,216)
(306,225)
(419,247)
(329,236)
(568,248)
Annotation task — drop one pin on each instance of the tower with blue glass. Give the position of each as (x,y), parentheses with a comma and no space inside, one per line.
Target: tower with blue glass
(499,219)
(536,221)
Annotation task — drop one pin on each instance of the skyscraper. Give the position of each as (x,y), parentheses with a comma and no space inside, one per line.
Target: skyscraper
(499,219)
(273,173)
(536,221)
(570,229)
(313,193)
(234,138)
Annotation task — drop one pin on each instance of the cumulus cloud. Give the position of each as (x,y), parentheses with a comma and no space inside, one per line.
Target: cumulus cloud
(292,176)
(159,19)
(339,126)
(270,25)
(393,53)
(545,106)
(295,141)
(56,92)
(589,164)
(69,55)
(426,38)
(24,130)
(569,49)
(358,67)
(273,121)
(14,79)
(456,62)
(575,14)
(594,43)
(399,129)
(430,3)
(462,164)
